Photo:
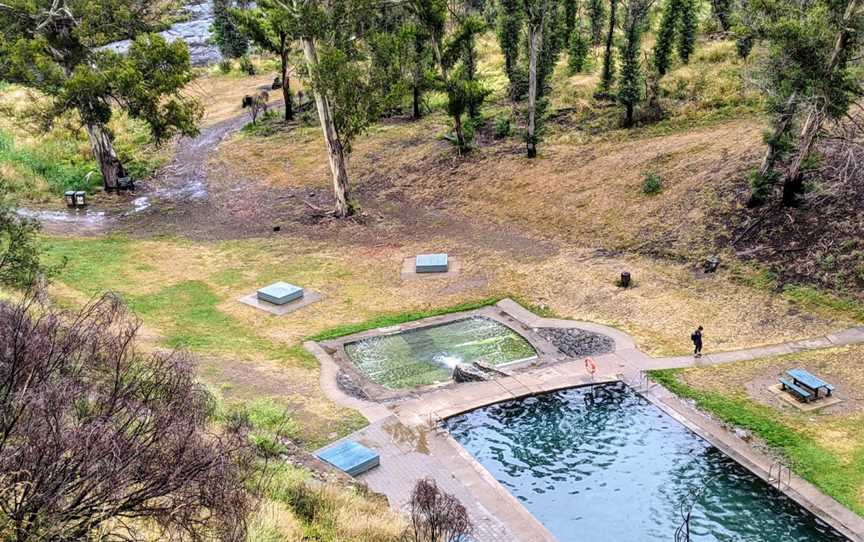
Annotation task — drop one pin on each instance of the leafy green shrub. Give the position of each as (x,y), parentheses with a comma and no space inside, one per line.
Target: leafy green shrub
(246,65)
(503,127)
(225,65)
(652,184)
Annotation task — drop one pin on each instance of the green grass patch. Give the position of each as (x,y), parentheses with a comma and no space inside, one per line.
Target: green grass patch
(839,478)
(90,266)
(55,161)
(813,298)
(191,319)
(393,319)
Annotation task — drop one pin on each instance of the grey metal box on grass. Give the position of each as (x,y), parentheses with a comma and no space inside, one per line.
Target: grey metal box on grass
(431,263)
(280,293)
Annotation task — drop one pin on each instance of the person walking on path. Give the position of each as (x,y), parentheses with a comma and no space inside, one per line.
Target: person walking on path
(696,337)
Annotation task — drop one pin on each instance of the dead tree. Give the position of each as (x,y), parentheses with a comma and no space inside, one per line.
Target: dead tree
(97,439)
(437,516)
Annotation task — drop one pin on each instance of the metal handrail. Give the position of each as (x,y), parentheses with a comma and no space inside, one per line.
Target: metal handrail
(779,467)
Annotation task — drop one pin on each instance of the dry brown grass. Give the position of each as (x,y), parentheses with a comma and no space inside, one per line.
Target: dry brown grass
(587,192)
(222,95)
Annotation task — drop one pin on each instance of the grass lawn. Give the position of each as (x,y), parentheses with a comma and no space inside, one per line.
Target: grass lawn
(186,295)
(825,447)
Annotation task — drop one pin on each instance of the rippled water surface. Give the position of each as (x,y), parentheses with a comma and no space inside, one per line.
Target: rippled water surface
(617,470)
(427,355)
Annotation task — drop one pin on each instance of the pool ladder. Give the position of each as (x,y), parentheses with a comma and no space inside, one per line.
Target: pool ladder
(779,472)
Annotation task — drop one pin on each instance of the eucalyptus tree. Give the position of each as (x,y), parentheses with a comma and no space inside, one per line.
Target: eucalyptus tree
(53,46)
(272,27)
(544,45)
(809,71)
(350,91)
(834,90)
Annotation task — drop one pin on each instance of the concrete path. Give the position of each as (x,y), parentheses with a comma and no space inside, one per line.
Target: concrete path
(406,433)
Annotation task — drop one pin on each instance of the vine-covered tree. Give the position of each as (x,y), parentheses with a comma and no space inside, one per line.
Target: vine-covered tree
(578,50)
(630,84)
(53,46)
(227,34)
(101,442)
(664,45)
(571,12)
(272,27)
(597,20)
(687,34)
(722,11)
(510,24)
(607,75)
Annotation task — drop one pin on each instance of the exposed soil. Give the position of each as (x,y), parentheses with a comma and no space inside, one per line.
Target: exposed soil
(204,199)
(822,240)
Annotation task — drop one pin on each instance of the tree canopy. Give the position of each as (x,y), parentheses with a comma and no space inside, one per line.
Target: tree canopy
(55,48)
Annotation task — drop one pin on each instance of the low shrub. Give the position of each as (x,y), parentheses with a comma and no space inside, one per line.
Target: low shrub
(503,127)
(246,65)
(652,184)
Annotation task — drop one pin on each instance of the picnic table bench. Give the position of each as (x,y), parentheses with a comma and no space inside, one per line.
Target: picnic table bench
(805,384)
(802,394)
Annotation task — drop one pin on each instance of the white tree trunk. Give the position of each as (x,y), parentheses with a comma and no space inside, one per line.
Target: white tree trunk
(103,149)
(335,151)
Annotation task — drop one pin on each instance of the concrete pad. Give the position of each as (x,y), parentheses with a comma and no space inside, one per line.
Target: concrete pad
(308,298)
(813,406)
(409,272)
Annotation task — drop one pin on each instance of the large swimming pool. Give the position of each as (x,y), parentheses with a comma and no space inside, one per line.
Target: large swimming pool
(427,355)
(617,469)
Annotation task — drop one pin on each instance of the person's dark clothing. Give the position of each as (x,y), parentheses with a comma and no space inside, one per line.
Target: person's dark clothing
(697,342)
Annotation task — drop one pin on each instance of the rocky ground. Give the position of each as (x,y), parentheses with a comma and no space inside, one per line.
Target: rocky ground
(577,342)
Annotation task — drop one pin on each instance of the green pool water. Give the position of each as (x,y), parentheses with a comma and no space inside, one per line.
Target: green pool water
(616,470)
(427,355)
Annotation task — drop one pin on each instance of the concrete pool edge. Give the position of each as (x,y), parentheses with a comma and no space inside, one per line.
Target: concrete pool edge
(428,406)
(808,496)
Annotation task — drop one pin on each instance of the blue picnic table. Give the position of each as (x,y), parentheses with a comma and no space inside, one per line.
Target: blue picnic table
(811,382)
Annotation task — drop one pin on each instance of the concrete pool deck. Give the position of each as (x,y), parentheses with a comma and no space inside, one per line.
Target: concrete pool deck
(407,435)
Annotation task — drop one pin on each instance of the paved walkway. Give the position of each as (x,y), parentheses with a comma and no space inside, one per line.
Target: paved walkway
(404,433)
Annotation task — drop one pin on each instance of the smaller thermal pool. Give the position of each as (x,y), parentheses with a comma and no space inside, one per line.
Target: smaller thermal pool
(427,355)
